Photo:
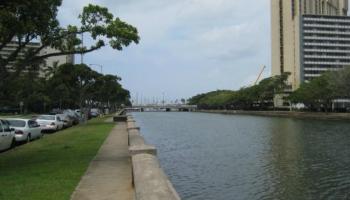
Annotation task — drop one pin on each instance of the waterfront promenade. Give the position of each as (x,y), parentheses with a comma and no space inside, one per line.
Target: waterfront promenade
(125,168)
(109,176)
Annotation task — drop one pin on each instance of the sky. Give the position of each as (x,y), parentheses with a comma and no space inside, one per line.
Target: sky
(187,47)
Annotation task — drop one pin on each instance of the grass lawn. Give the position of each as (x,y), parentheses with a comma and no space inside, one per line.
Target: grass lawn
(51,168)
(28,116)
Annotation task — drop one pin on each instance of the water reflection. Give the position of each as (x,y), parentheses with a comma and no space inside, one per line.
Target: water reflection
(210,156)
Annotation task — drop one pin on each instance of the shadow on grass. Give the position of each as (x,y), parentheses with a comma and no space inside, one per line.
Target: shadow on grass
(50,168)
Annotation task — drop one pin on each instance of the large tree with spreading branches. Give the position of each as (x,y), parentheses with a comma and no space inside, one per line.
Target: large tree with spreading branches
(24,22)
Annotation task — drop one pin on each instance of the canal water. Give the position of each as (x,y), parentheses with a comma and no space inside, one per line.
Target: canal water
(224,157)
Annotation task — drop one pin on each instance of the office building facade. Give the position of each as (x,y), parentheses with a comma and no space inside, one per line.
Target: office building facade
(49,62)
(309,37)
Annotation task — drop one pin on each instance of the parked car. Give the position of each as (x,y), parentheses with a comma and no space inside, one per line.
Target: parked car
(67,121)
(56,111)
(50,122)
(73,115)
(82,114)
(7,136)
(95,112)
(25,129)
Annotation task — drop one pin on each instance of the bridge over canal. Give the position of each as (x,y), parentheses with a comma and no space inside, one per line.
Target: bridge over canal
(163,108)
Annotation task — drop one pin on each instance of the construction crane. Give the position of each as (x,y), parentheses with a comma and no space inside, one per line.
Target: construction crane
(262,71)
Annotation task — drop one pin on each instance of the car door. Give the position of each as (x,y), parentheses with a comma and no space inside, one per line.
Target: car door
(34,128)
(6,134)
(59,122)
(2,146)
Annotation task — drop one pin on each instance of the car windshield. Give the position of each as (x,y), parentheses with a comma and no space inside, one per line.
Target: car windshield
(17,123)
(47,117)
(62,116)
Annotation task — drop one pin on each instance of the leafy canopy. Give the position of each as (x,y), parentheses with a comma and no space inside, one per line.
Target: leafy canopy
(263,93)
(36,20)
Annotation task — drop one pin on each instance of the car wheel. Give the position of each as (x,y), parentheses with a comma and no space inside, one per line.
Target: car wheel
(28,138)
(13,144)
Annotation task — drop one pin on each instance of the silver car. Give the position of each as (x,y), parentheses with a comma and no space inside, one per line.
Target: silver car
(50,122)
(67,121)
(25,129)
(7,136)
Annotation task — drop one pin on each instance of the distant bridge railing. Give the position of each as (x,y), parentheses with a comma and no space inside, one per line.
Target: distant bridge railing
(176,107)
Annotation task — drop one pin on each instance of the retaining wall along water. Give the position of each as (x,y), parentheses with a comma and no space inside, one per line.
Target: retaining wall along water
(150,181)
(289,114)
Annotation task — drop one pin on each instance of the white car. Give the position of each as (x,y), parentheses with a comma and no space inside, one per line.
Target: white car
(7,136)
(50,122)
(67,121)
(25,129)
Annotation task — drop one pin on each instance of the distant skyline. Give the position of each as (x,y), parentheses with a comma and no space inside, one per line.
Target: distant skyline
(187,46)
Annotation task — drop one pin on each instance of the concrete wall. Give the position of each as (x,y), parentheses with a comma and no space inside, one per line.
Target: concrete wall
(149,179)
(288,114)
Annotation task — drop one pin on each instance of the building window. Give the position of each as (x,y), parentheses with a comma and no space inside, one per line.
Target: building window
(293,9)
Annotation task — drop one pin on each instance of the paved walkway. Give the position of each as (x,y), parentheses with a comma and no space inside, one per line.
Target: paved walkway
(109,174)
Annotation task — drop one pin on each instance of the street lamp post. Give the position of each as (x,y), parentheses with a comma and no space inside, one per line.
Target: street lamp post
(101,67)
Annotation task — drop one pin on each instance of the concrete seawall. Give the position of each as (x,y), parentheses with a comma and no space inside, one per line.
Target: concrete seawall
(287,114)
(149,179)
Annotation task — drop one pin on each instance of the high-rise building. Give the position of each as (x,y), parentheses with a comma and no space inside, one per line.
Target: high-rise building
(309,37)
(48,62)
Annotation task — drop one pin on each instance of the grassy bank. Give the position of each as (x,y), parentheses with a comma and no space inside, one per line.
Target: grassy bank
(51,168)
(288,114)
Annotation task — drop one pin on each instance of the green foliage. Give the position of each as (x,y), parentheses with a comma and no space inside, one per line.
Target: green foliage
(316,95)
(80,86)
(254,97)
(216,99)
(24,22)
(28,21)
(70,86)
(319,93)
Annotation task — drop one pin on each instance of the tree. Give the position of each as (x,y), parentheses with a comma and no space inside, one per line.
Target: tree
(316,94)
(80,86)
(28,21)
(270,87)
(219,99)
(255,97)
(340,82)
(24,22)
(109,92)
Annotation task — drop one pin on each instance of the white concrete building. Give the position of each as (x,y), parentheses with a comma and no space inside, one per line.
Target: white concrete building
(49,62)
(54,61)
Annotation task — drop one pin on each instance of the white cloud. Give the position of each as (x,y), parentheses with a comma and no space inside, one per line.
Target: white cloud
(185,42)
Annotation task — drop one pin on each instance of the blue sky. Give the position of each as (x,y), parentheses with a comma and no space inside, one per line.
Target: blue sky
(187,46)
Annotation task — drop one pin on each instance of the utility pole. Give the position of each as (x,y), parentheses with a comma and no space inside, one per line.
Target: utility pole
(141,99)
(137,98)
(82,49)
